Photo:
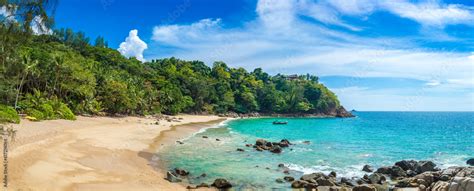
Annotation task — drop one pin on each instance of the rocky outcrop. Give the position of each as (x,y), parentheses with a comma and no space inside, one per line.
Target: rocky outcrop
(221,183)
(367,168)
(274,147)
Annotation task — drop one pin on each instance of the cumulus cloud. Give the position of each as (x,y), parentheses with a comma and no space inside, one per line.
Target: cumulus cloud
(471,57)
(39,27)
(133,46)
(177,33)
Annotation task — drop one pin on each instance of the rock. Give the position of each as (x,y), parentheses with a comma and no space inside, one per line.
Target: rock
(269,144)
(376,178)
(411,173)
(367,168)
(470,162)
(310,186)
(397,171)
(260,142)
(346,181)
(299,184)
(279,180)
(325,182)
(180,142)
(191,187)
(312,177)
(172,177)
(281,165)
(221,183)
(407,164)
(241,150)
(259,149)
(248,145)
(332,174)
(466,172)
(286,172)
(275,149)
(181,172)
(203,175)
(203,185)
(440,186)
(205,137)
(462,184)
(426,178)
(364,187)
(289,178)
(307,142)
(384,170)
(425,166)
(218,140)
(284,143)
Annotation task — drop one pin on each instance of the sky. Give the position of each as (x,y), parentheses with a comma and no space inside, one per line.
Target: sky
(375,55)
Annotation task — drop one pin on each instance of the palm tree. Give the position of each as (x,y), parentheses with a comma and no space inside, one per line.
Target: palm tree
(28,63)
(8,134)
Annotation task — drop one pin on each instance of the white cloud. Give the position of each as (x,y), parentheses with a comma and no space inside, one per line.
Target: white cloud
(39,27)
(431,13)
(133,46)
(433,83)
(177,33)
(276,14)
(471,57)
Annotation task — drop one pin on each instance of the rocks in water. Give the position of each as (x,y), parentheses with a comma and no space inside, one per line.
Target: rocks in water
(221,183)
(364,187)
(425,166)
(325,182)
(241,150)
(332,174)
(281,165)
(376,178)
(288,178)
(279,180)
(312,177)
(307,142)
(248,145)
(172,177)
(181,172)
(470,162)
(299,184)
(393,171)
(275,149)
(205,137)
(367,168)
(260,142)
(218,140)
(180,142)
(346,181)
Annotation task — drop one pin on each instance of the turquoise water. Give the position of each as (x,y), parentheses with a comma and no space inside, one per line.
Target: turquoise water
(340,145)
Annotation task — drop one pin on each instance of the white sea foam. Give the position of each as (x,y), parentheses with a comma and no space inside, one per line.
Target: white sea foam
(348,172)
(202,130)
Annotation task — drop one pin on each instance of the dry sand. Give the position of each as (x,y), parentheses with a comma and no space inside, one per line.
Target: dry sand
(95,153)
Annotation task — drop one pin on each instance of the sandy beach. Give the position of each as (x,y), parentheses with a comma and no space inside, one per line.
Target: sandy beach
(95,153)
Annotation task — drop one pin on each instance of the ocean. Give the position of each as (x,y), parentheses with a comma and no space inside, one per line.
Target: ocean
(343,145)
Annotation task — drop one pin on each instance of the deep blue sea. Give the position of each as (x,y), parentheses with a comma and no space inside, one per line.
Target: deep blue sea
(342,145)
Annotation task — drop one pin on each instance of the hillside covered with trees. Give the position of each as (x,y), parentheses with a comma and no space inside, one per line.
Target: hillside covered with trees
(61,74)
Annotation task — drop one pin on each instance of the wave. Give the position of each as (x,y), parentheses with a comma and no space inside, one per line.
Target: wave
(348,172)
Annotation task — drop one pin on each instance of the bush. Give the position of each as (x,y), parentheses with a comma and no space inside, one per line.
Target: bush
(64,112)
(8,115)
(34,114)
(48,111)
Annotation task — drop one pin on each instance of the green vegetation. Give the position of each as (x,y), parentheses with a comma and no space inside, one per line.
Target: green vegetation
(61,74)
(8,114)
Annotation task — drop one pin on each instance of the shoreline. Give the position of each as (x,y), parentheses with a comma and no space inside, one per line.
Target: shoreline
(93,153)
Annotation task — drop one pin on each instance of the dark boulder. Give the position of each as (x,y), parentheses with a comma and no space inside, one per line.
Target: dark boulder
(248,145)
(281,165)
(241,150)
(205,137)
(172,177)
(470,162)
(332,174)
(325,182)
(425,166)
(312,177)
(275,149)
(284,143)
(407,165)
(260,142)
(299,184)
(346,181)
(367,168)
(181,172)
(221,183)
(376,178)
(384,170)
(289,178)
(397,171)
(364,187)
(269,144)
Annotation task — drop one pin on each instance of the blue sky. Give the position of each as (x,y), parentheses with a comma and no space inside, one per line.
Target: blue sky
(376,55)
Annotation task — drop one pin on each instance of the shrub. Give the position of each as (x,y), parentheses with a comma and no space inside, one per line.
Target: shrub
(64,112)
(35,114)
(48,111)
(8,115)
